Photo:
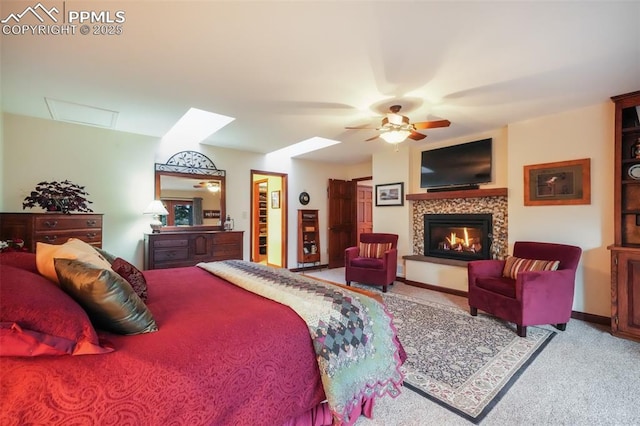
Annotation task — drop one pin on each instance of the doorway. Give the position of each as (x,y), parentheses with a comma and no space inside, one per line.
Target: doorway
(350,213)
(268,218)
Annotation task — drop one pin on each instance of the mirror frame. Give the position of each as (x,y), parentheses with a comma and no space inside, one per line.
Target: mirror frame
(189,164)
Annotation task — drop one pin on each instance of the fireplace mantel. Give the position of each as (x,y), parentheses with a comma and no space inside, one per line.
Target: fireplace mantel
(471,193)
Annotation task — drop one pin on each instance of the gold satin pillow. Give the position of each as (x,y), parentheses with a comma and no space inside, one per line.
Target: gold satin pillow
(108,299)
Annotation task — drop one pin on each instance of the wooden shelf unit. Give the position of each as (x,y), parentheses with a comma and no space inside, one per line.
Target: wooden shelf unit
(625,251)
(308,237)
(261,222)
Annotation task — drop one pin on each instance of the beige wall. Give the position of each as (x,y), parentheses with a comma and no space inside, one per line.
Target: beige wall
(391,167)
(581,133)
(117,170)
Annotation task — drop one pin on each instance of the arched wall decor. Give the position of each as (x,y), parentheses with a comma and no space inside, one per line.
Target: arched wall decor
(190,162)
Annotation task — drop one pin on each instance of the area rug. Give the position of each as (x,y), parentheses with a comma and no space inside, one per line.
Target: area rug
(464,363)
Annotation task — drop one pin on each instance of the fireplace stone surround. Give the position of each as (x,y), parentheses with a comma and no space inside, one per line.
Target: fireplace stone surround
(496,205)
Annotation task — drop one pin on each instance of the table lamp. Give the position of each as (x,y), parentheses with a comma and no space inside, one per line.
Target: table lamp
(157,209)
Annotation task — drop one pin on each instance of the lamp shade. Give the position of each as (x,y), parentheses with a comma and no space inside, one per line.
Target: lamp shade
(156,208)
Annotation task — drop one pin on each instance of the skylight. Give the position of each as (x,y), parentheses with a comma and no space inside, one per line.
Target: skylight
(308,145)
(197,125)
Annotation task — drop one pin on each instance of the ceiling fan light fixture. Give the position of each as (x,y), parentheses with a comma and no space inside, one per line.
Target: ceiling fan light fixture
(395,135)
(213,186)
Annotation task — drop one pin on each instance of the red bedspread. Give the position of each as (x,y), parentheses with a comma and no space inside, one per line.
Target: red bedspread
(214,361)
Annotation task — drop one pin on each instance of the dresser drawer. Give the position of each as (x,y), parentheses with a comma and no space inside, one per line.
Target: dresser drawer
(90,236)
(51,228)
(177,243)
(170,255)
(43,223)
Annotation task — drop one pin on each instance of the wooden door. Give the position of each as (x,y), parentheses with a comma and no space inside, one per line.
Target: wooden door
(342,220)
(365,210)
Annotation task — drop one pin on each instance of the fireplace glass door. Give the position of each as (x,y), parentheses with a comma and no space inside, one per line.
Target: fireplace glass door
(457,236)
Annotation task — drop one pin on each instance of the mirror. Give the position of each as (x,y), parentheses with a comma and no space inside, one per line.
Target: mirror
(194,196)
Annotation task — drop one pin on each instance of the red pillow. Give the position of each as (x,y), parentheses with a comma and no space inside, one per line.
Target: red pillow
(132,275)
(38,318)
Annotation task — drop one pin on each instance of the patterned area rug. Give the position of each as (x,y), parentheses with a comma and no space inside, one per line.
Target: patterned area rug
(463,363)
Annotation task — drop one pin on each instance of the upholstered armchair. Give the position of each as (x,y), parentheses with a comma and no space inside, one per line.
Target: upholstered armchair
(534,286)
(373,261)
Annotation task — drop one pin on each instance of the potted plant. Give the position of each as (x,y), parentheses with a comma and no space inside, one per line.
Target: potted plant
(56,196)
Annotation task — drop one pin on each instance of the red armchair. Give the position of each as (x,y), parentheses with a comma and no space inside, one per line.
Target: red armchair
(373,261)
(533,297)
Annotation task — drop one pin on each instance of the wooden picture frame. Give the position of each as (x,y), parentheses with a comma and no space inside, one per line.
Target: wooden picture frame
(275,199)
(390,194)
(560,183)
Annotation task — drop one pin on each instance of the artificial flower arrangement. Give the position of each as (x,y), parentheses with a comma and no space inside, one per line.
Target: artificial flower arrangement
(15,244)
(62,196)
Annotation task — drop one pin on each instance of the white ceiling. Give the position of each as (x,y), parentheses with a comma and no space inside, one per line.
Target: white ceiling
(288,71)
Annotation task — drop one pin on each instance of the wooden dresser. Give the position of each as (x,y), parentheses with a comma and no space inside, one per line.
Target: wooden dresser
(51,228)
(176,249)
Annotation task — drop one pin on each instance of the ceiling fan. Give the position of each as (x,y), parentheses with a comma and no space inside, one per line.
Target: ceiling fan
(212,185)
(396,128)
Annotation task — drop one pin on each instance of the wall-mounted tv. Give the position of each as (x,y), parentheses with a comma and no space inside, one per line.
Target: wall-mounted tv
(458,165)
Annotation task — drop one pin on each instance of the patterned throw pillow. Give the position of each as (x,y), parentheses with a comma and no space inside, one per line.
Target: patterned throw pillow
(132,275)
(514,265)
(374,250)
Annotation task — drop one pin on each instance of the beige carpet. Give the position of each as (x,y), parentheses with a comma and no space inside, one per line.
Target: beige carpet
(584,376)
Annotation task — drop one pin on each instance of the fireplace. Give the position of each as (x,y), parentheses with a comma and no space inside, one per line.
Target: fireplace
(458,236)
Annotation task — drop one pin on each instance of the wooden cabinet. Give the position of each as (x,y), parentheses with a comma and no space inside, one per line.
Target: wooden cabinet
(308,237)
(625,251)
(625,292)
(51,228)
(177,249)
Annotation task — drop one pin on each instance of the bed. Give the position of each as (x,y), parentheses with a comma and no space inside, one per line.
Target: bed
(221,355)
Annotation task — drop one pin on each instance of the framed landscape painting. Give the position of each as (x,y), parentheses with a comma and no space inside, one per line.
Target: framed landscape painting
(390,194)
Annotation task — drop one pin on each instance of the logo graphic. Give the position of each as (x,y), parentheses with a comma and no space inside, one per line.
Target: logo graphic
(16,17)
(41,20)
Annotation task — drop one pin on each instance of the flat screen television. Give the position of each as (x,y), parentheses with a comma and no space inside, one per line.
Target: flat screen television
(467,164)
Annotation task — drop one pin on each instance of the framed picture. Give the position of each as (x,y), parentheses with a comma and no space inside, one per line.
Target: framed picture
(561,183)
(211,214)
(390,194)
(275,199)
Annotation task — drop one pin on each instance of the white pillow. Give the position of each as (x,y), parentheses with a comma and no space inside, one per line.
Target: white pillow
(72,249)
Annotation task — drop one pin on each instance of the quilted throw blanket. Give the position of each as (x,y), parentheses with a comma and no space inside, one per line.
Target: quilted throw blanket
(353,336)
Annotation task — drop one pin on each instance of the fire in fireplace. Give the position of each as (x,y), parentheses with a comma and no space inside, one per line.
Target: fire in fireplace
(458,236)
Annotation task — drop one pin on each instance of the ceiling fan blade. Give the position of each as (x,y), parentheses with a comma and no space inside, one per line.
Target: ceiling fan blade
(416,136)
(431,124)
(370,139)
(361,128)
